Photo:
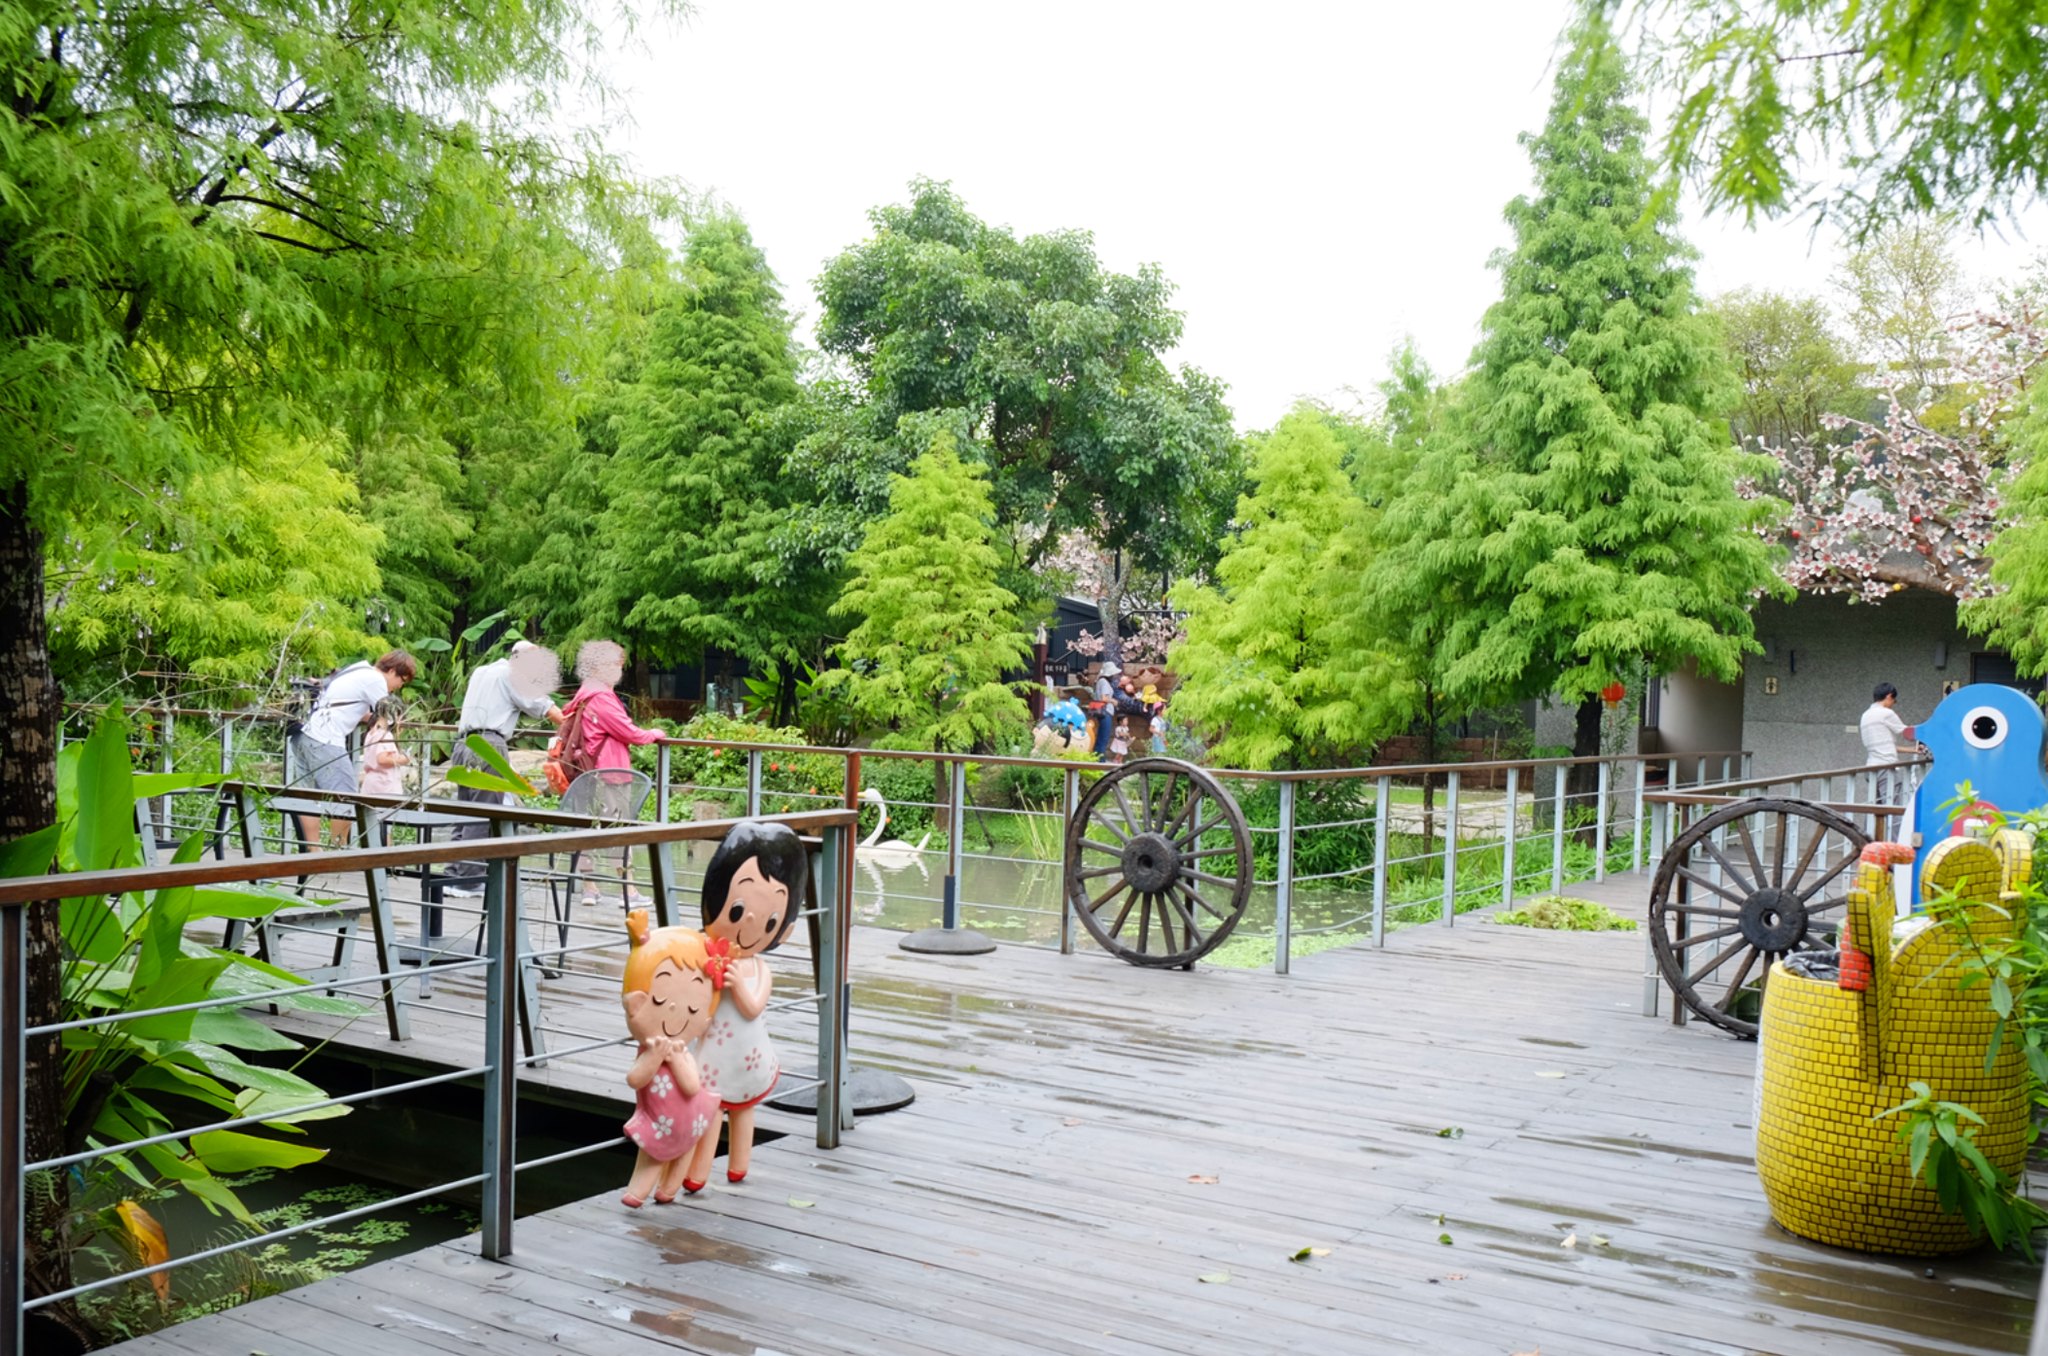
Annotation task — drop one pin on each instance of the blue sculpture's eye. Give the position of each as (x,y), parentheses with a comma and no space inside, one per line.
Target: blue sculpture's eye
(1984,727)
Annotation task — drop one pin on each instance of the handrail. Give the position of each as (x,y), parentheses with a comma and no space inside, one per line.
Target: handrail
(1794,777)
(20,890)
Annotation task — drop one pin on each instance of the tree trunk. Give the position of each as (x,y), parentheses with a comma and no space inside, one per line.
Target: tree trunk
(29,711)
(1583,785)
(1109,607)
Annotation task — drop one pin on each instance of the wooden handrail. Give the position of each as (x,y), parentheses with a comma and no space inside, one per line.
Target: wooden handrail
(1754,783)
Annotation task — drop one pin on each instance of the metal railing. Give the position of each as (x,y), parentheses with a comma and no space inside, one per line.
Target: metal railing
(1347,851)
(501,962)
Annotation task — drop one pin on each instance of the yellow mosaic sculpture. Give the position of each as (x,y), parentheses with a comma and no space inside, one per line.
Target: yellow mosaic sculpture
(1832,1057)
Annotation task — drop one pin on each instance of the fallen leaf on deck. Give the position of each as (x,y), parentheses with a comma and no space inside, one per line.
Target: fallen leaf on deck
(1450,1132)
(801,1205)
(1455,1276)
(1599,1240)
(1571,1240)
(1202,1179)
(1071,1120)
(1444,1239)
(1303,1254)
(1215,1278)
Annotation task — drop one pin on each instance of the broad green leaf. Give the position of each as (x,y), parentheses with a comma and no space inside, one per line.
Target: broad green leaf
(167,1162)
(231,1068)
(32,855)
(233,1151)
(149,784)
(93,928)
(105,805)
(258,899)
(217,1195)
(271,987)
(184,980)
(163,934)
(225,1026)
(283,1112)
(181,1082)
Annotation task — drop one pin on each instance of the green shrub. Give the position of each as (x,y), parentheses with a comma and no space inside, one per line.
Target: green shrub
(1562,913)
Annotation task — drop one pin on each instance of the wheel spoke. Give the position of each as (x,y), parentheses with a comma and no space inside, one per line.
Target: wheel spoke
(1095,871)
(1778,854)
(1697,879)
(1166,942)
(1229,850)
(1155,806)
(1692,981)
(1194,800)
(1756,865)
(1695,938)
(1209,878)
(1130,820)
(1734,872)
(1095,904)
(1100,816)
(1805,858)
(1203,900)
(1833,872)
(1702,911)
(1113,851)
(1826,906)
(1145,922)
(1190,933)
(1735,985)
(1122,914)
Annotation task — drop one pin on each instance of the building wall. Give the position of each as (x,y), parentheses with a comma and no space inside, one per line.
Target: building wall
(1699,715)
(1823,654)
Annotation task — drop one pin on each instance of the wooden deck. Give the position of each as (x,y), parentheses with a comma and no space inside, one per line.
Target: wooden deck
(1090,1141)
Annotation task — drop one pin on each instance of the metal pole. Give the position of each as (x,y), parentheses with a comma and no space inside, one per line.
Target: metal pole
(1748,765)
(1727,764)
(1283,887)
(227,747)
(1507,846)
(1070,798)
(661,777)
(1450,847)
(1557,834)
(501,1066)
(956,800)
(1600,822)
(13,1120)
(170,765)
(1382,796)
(753,783)
(833,879)
(1635,851)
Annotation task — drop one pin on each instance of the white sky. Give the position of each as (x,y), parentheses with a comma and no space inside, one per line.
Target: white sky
(1319,180)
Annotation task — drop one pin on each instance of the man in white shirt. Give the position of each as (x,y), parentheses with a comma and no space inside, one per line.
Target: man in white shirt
(497,695)
(320,746)
(1886,738)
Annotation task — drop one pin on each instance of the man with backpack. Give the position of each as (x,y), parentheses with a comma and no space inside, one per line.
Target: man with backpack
(498,694)
(347,699)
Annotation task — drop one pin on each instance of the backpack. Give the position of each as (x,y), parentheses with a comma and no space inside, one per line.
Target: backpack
(305,694)
(569,755)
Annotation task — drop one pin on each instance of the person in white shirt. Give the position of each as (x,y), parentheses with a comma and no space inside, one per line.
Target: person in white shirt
(320,747)
(1886,738)
(497,695)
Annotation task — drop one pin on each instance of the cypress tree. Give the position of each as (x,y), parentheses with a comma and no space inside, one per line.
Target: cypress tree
(1576,516)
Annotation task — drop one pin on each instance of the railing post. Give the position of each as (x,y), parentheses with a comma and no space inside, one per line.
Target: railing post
(1600,822)
(1382,798)
(949,938)
(833,880)
(1070,797)
(170,764)
(13,1122)
(227,747)
(1557,833)
(1748,764)
(1283,886)
(662,767)
(1507,846)
(501,1068)
(1450,847)
(1726,764)
(1635,851)
(753,783)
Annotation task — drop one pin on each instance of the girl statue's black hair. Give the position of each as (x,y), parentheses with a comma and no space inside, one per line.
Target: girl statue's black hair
(782,857)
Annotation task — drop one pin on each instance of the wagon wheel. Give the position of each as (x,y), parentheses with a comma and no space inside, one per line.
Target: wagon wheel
(1740,888)
(1159,862)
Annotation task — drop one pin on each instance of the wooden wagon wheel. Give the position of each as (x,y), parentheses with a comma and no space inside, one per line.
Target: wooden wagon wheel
(1159,862)
(1740,888)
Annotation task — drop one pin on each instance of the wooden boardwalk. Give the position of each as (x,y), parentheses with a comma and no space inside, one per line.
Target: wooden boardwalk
(1497,1151)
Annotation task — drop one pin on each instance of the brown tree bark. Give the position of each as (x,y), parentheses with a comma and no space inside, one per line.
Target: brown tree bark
(29,711)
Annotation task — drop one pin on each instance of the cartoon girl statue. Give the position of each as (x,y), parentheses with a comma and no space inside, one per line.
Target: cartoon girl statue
(671,991)
(753,891)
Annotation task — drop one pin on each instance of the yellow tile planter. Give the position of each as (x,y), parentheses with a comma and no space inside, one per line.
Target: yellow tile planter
(1831,1059)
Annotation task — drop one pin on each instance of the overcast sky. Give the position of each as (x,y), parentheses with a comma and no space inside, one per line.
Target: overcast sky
(1318,179)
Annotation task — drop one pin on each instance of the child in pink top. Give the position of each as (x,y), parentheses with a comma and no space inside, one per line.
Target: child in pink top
(384,763)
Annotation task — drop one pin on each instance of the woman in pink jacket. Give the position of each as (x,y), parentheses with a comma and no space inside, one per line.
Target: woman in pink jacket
(608,736)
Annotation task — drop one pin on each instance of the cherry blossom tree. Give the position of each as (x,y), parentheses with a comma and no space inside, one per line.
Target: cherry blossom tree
(1079,564)
(1908,501)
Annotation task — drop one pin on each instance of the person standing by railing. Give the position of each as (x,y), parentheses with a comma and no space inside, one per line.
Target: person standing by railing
(608,733)
(498,694)
(1887,739)
(320,746)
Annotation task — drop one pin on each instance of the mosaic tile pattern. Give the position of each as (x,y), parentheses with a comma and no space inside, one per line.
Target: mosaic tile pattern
(1831,1059)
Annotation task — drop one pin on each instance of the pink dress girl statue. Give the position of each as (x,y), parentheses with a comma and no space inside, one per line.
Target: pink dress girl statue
(753,891)
(671,991)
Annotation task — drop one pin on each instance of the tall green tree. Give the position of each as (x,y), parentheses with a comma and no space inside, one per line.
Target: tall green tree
(1791,368)
(1913,107)
(1053,369)
(1579,517)
(218,225)
(1267,668)
(936,632)
(697,550)
(257,571)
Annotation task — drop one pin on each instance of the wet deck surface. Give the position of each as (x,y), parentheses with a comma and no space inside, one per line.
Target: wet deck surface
(1090,1141)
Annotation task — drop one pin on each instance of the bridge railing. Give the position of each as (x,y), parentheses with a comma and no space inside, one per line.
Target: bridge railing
(503,960)
(978,840)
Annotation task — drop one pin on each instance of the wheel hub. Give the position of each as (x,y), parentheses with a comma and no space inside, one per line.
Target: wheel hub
(1151,863)
(1773,920)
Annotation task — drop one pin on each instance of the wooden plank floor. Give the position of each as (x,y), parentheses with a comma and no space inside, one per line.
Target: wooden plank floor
(1090,1140)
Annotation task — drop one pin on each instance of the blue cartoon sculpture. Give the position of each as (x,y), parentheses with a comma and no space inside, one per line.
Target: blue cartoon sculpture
(1991,737)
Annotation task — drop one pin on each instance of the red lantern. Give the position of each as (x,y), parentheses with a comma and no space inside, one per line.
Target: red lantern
(1613,694)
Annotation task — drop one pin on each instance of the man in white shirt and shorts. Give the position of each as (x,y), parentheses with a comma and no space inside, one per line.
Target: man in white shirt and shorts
(320,747)
(1886,738)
